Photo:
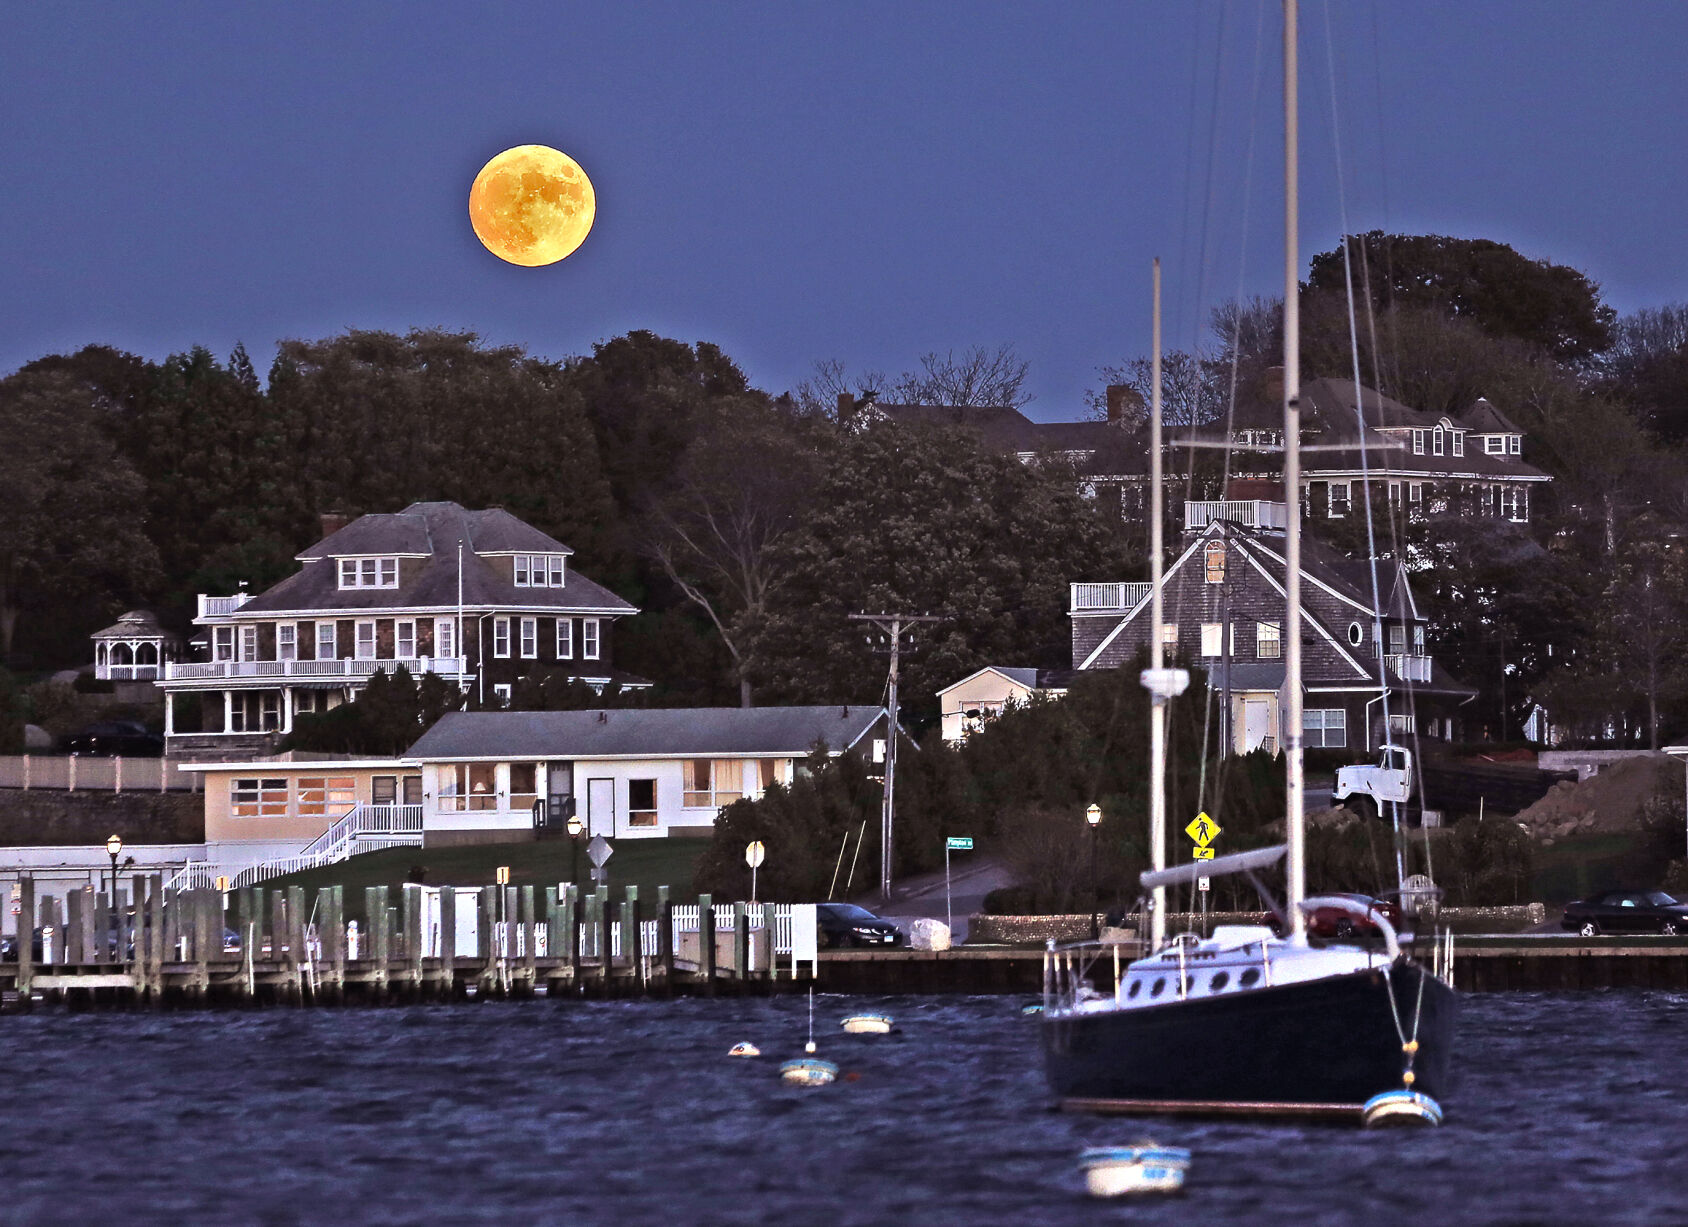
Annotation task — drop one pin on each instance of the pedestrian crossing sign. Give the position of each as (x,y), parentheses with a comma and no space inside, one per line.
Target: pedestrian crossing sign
(1201,854)
(1203,830)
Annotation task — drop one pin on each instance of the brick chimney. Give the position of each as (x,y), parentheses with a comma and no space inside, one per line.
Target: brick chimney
(846,408)
(1125,405)
(333,522)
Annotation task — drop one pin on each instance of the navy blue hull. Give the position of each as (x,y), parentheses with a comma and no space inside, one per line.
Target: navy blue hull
(1323,1041)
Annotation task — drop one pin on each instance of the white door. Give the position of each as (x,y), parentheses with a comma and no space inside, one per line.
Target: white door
(1255,723)
(600,808)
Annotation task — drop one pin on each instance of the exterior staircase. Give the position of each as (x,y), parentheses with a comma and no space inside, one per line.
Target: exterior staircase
(363,828)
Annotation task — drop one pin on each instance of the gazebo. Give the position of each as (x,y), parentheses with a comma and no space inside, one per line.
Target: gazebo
(134,649)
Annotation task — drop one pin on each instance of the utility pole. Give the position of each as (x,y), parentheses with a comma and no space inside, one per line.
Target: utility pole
(892,626)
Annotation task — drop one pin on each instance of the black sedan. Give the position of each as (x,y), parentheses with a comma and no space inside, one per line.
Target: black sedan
(1627,911)
(128,738)
(845,924)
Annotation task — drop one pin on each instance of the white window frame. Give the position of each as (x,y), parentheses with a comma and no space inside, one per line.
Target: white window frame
(329,632)
(1394,494)
(591,643)
(1268,634)
(1418,441)
(1459,443)
(501,638)
(1319,719)
(445,637)
(1169,634)
(1415,492)
(348,573)
(403,629)
(1494,445)
(565,638)
(530,638)
(502,691)
(249,642)
(358,640)
(1515,445)
(1438,442)
(369,573)
(556,567)
(222,643)
(1331,500)
(287,641)
(519,571)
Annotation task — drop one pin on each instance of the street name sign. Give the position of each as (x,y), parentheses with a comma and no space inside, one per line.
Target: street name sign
(960,843)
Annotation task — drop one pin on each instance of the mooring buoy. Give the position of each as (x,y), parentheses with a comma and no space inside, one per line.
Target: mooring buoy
(808,1071)
(1393,1109)
(1110,1171)
(868,1024)
(744,1048)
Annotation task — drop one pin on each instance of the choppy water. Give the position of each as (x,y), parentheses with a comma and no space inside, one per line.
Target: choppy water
(1573,1109)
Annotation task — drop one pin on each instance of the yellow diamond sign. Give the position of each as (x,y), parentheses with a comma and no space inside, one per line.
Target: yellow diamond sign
(1201,854)
(1203,830)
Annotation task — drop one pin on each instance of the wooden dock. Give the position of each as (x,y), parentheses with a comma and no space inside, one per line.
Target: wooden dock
(156,947)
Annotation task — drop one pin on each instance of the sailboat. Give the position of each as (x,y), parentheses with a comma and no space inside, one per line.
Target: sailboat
(1246,1018)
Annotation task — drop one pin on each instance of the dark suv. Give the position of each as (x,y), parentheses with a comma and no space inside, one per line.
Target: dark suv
(127,738)
(845,924)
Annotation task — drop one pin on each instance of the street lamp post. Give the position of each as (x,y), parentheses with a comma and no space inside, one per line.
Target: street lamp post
(576,825)
(1093,816)
(114,846)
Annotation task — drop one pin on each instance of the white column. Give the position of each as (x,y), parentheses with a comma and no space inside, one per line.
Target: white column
(287,709)
(228,711)
(169,713)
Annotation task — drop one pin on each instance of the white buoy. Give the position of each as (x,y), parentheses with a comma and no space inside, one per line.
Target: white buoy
(744,1049)
(1393,1109)
(808,1071)
(868,1024)
(1111,1171)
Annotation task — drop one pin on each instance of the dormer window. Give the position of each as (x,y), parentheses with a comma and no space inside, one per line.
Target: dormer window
(1438,442)
(1418,442)
(539,571)
(369,573)
(1494,445)
(1459,443)
(1515,444)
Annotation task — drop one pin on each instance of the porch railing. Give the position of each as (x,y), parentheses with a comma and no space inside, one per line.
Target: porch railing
(1250,513)
(1107,598)
(215,670)
(1408,668)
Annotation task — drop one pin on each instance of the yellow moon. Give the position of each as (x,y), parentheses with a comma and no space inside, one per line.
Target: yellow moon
(532,205)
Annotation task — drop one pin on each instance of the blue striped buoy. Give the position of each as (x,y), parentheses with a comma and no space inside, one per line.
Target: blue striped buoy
(1401,1107)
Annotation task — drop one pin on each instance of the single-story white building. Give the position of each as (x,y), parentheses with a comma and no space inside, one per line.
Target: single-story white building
(986,693)
(630,773)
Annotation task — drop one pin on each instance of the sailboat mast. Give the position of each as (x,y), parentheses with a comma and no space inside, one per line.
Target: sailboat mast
(1157,709)
(1296,783)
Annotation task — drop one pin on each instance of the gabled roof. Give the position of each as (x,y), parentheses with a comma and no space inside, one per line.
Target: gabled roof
(1486,419)
(1031,679)
(1002,426)
(136,624)
(785,732)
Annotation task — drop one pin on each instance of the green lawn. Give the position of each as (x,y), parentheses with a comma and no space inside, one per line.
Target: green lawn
(645,863)
(1578,868)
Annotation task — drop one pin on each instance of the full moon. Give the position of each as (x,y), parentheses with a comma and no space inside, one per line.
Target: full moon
(532,205)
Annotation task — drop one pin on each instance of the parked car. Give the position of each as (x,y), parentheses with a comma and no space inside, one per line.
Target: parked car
(1627,911)
(1335,922)
(845,924)
(128,738)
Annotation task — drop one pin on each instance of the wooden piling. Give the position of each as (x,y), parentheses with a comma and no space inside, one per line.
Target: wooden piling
(380,936)
(665,937)
(80,928)
(448,942)
(486,977)
(52,930)
(632,937)
(25,940)
(741,941)
(155,939)
(300,953)
(706,942)
(334,942)
(530,939)
(106,921)
(571,932)
(411,907)
(207,907)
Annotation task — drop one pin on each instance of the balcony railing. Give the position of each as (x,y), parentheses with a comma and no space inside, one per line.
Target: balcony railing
(127,673)
(282,670)
(220,606)
(1409,668)
(1250,513)
(1107,598)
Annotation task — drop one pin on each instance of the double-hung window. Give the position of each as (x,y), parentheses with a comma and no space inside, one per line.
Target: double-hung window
(1341,499)
(1494,445)
(1267,643)
(286,641)
(366,641)
(1459,443)
(589,639)
(249,643)
(1438,441)
(565,638)
(522,574)
(539,570)
(554,569)
(445,637)
(1169,634)
(530,638)
(369,572)
(1418,442)
(1325,728)
(501,637)
(404,639)
(327,647)
(222,643)
(1515,445)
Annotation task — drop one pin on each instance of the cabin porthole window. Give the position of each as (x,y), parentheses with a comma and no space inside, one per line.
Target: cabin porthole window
(1136,987)
(1219,981)
(1356,634)
(1158,987)
(1249,978)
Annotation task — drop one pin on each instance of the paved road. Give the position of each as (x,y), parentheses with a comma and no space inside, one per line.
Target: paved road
(924,895)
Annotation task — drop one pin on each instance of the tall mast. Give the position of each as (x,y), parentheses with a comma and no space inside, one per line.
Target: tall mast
(1157,710)
(1296,784)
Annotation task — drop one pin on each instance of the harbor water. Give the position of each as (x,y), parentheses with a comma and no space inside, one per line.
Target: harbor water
(1571,1109)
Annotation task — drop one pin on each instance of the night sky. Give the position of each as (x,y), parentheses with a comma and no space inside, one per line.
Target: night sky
(801,181)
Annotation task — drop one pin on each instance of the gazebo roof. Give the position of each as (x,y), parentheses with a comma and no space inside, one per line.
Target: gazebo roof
(136,624)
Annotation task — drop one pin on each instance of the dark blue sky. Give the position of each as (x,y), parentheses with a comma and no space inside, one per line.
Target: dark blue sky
(799,181)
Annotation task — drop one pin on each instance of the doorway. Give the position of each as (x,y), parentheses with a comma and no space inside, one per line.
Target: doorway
(600,808)
(1256,724)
